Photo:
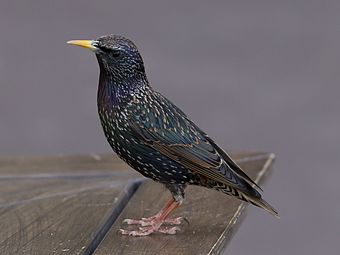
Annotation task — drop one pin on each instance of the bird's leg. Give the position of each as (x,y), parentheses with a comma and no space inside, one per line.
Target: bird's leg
(150,220)
(154,223)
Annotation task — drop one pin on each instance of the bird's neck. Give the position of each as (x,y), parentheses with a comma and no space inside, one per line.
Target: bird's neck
(116,91)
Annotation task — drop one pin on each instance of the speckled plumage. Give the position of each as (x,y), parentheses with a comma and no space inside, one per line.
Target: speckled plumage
(154,136)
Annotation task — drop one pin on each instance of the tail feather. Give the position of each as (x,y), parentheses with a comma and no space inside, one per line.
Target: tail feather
(258,201)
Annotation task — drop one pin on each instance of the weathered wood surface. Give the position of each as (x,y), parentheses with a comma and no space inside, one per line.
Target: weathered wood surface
(213,217)
(58,205)
(73,205)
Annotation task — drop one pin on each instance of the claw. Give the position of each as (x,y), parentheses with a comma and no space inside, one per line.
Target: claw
(169,231)
(155,223)
(145,231)
(152,220)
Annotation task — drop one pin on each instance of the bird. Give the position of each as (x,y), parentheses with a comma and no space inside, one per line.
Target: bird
(156,138)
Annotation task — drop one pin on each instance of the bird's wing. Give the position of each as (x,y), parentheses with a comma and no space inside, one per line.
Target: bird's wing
(230,162)
(164,127)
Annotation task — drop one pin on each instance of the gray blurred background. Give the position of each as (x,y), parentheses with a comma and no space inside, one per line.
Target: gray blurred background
(255,75)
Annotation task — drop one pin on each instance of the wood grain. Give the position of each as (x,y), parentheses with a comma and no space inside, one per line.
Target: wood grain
(93,163)
(59,205)
(213,217)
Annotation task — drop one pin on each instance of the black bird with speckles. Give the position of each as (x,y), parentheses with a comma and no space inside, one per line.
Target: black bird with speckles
(156,138)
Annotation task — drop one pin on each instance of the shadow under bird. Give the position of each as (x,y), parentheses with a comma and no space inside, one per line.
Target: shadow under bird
(156,138)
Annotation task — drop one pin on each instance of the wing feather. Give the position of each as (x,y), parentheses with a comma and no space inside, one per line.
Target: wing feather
(176,137)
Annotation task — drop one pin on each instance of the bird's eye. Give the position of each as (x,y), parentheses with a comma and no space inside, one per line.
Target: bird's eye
(113,52)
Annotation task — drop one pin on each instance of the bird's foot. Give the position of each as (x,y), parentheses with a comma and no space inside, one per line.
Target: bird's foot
(155,223)
(147,230)
(153,220)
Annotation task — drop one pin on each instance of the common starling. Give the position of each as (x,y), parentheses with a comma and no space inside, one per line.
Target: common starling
(156,138)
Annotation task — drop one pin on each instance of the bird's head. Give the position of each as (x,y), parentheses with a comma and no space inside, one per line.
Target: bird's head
(117,55)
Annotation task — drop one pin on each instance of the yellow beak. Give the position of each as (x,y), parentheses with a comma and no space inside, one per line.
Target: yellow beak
(88,44)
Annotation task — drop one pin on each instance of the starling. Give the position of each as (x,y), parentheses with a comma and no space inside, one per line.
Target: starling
(156,138)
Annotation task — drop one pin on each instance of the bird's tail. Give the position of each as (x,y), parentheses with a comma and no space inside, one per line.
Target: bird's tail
(258,201)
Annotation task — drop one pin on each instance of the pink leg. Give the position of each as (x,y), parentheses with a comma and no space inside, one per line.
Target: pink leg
(150,220)
(154,223)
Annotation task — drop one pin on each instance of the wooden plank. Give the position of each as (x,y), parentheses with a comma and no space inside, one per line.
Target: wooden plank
(213,217)
(59,205)
(46,165)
